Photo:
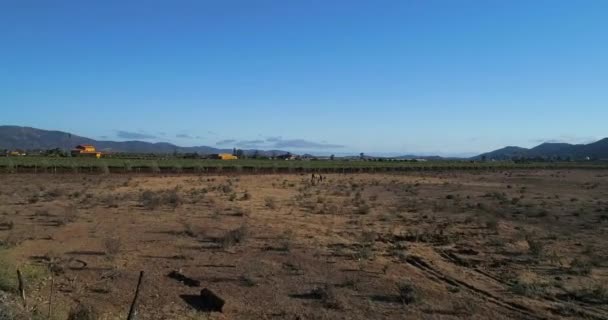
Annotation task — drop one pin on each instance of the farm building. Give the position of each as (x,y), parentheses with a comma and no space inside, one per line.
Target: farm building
(226,156)
(16,153)
(85,150)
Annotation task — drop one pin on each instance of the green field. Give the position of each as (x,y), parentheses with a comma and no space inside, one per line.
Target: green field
(56,164)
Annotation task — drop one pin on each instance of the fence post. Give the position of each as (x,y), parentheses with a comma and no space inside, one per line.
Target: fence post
(133,310)
(21,287)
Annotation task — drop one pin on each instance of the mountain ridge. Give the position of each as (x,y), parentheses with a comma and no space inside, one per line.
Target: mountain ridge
(29,138)
(551,150)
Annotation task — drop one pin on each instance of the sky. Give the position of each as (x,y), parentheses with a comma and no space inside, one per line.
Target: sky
(326,76)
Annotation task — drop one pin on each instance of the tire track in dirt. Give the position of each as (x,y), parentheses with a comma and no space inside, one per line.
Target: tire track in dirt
(582,313)
(450,257)
(431,272)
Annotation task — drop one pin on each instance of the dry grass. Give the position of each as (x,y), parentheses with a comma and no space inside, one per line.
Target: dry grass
(263,241)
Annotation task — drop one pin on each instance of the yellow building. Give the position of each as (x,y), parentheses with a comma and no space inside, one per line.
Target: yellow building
(226,156)
(16,153)
(86,150)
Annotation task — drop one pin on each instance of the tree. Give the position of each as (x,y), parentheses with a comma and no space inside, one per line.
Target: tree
(239,153)
(361,155)
(332,157)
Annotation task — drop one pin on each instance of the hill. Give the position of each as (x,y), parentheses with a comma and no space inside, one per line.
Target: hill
(27,138)
(595,150)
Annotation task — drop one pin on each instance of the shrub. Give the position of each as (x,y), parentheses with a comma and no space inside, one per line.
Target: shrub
(270,202)
(247,280)
(54,193)
(407,293)
(149,200)
(226,188)
(527,289)
(152,200)
(365,252)
(172,198)
(599,294)
(234,237)
(8,276)
(328,296)
(83,312)
(188,230)
(70,215)
(581,267)
(492,224)
(536,248)
(285,244)
(112,246)
(363,209)
(7,224)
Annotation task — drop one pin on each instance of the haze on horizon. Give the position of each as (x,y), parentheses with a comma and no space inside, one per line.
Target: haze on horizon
(398,77)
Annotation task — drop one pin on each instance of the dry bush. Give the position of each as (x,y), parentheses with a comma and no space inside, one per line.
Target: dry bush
(70,215)
(328,296)
(54,193)
(112,246)
(83,312)
(596,295)
(33,198)
(363,209)
(270,202)
(232,196)
(172,198)
(233,237)
(110,201)
(407,293)
(529,289)
(352,283)
(12,239)
(492,224)
(581,267)
(152,200)
(225,188)
(364,252)
(7,275)
(6,224)
(285,241)
(536,248)
(188,229)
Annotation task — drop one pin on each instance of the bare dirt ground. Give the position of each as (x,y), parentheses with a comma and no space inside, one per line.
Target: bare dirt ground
(454,245)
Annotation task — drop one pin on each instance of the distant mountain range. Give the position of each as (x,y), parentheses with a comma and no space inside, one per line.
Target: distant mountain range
(595,150)
(27,138)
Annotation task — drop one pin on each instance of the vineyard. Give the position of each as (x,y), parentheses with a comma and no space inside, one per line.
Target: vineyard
(179,165)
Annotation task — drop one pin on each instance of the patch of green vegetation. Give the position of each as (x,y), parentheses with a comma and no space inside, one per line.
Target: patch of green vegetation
(32,274)
(8,274)
(175,164)
(529,289)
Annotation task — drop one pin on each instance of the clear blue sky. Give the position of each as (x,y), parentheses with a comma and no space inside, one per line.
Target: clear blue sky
(425,76)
